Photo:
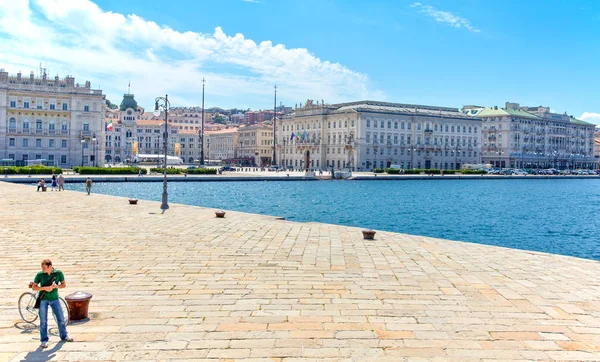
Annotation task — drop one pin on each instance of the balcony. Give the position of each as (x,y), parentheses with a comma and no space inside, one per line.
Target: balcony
(64,132)
(25,130)
(12,130)
(85,133)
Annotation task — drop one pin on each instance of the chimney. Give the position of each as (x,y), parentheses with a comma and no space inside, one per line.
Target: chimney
(56,80)
(31,77)
(19,75)
(3,76)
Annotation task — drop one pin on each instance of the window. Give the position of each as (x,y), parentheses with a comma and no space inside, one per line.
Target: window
(38,143)
(63,159)
(11,156)
(86,126)
(11,142)
(395,125)
(52,106)
(25,104)
(64,108)
(382,124)
(39,104)
(389,124)
(51,143)
(25,142)
(86,108)
(26,125)
(368,123)
(12,123)
(13,104)
(63,143)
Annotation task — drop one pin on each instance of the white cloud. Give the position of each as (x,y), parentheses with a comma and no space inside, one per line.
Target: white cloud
(444,17)
(251,1)
(108,49)
(590,117)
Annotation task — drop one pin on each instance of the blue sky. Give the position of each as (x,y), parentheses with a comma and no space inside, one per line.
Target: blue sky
(446,53)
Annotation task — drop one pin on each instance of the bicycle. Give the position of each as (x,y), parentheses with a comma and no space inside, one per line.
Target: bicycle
(29,314)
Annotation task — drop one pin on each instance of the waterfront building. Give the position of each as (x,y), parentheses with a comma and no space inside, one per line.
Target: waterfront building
(129,133)
(56,120)
(255,145)
(365,135)
(533,137)
(221,145)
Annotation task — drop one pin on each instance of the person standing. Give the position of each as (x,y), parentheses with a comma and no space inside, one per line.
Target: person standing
(88,185)
(47,282)
(53,182)
(61,182)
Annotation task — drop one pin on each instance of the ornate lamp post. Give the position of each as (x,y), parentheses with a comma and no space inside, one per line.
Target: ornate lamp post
(82,143)
(163,103)
(94,140)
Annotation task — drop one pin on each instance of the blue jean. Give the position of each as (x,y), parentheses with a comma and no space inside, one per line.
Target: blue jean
(58,314)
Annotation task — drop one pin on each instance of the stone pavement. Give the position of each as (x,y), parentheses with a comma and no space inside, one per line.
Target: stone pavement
(185,285)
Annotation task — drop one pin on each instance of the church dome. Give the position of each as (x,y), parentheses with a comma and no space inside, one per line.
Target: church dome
(128,102)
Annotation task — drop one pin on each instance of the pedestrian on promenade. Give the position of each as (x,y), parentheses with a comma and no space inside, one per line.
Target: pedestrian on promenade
(88,185)
(61,182)
(47,282)
(54,184)
(41,185)
(139,172)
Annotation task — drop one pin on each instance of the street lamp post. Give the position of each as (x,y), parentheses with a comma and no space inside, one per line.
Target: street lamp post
(94,148)
(82,143)
(208,150)
(274,162)
(164,105)
(201,128)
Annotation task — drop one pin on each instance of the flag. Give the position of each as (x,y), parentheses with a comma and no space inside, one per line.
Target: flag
(134,148)
(292,137)
(109,126)
(177,149)
(305,135)
(299,135)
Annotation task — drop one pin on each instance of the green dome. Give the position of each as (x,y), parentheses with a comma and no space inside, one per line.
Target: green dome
(128,102)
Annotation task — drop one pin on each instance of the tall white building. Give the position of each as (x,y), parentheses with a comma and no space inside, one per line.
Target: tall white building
(56,120)
(368,134)
(533,137)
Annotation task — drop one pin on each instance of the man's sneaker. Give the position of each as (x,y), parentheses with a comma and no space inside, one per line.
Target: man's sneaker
(68,339)
(44,345)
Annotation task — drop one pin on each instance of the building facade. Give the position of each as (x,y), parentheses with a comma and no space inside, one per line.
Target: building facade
(128,133)
(255,145)
(221,145)
(56,120)
(534,137)
(364,135)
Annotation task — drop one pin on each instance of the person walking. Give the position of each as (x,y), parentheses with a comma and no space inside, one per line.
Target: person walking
(88,185)
(53,182)
(47,282)
(61,182)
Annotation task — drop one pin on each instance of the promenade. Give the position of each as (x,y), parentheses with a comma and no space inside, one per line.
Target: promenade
(184,285)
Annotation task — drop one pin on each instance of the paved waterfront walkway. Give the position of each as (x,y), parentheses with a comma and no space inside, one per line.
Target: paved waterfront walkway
(185,285)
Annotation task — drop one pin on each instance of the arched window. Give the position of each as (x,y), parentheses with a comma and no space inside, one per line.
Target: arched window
(128,133)
(26,124)
(38,126)
(51,127)
(12,124)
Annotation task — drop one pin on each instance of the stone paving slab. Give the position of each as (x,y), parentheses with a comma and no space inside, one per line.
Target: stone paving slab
(185,285)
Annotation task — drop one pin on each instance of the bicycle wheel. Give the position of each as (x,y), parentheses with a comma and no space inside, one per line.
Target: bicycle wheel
(66,311)
(26,307)
(53,323)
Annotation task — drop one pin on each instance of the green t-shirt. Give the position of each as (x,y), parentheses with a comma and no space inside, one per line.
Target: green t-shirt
(45,280)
